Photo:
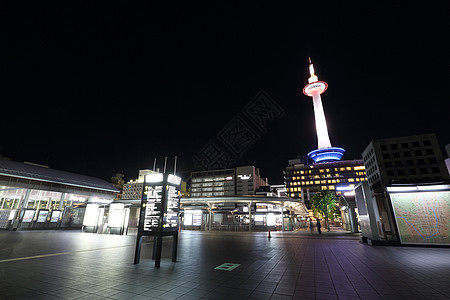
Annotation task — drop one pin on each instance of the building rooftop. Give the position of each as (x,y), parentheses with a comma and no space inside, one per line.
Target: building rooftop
(44,173)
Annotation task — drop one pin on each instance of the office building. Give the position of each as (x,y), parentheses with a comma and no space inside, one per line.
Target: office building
(407,195)
(226,182)
(303,179)
(132,190)
(415,158)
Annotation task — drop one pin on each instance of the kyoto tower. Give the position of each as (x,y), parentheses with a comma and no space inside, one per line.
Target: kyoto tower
(324,152)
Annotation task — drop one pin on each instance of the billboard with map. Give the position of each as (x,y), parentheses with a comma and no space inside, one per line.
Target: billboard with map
(422,217)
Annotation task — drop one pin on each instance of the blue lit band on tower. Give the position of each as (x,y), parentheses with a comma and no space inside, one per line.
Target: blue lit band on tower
(324,152)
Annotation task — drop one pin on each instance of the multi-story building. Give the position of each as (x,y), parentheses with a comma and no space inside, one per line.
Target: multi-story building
(226,182)
(303,179)
(132,190)
(447,160)
(410,163)
(403,159)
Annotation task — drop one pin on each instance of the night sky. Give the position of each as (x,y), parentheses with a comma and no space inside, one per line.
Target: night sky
(99,87)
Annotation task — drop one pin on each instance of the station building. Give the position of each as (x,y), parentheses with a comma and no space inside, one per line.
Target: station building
(238,199)
(37,197)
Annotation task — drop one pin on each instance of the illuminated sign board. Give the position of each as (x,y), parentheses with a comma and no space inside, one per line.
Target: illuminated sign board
(197,219)
(91,215)
(261,207)
(116,214)
(55,216)
(28,215)
(422,217)
(271,220)
(161,203)
(187,219)
(153,206)
(42,216)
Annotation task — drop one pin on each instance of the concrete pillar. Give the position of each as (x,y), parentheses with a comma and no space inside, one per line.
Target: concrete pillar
(250,216)
(61,201)
(26,198)
(23,204)
(209,216)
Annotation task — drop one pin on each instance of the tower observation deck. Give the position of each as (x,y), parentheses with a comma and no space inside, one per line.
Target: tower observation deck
(324,152)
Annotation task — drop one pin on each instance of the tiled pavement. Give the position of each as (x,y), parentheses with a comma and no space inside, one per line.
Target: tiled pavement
(75,265)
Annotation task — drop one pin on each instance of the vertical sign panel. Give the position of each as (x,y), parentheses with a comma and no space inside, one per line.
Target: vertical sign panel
(153,207)
(172,209)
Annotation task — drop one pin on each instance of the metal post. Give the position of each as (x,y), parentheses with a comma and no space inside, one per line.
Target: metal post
(158,251)
(175,165)
(137,253)
(250,216)
(175,247)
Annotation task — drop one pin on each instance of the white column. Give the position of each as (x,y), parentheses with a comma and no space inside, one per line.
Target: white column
(61,201)
(323,139)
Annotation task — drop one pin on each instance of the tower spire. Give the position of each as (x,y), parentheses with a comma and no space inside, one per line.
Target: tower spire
(324,151)
(313,77)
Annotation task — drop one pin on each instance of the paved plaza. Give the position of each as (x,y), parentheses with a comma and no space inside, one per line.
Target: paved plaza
(293,265)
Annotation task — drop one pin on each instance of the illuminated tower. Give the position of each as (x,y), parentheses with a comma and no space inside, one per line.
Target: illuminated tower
(324,151)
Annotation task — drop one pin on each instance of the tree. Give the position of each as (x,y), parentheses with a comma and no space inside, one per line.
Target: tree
(324,202)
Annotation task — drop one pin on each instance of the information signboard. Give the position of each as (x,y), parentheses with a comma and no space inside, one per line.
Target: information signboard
(42,216)
(160,206)
(197,219)
(172,209)
(153,206)
(28,215)
(161,203)
(422,217)
(55,216)
(116,215)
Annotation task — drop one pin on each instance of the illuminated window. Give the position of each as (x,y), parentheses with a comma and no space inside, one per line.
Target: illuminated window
(292,195)
(321,170)
(328,181)
(303,177)
(360,168)
(317,182)
(303,183)
(295,189)
(323,182)
(301,172)
(328,170)
(351,180)
(331,187)
(349,168)
(357,179)
(324,187)
(337,181)
(333,181)
(341,169)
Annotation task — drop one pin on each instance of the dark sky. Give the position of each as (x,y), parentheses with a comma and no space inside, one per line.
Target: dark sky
(99,87)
